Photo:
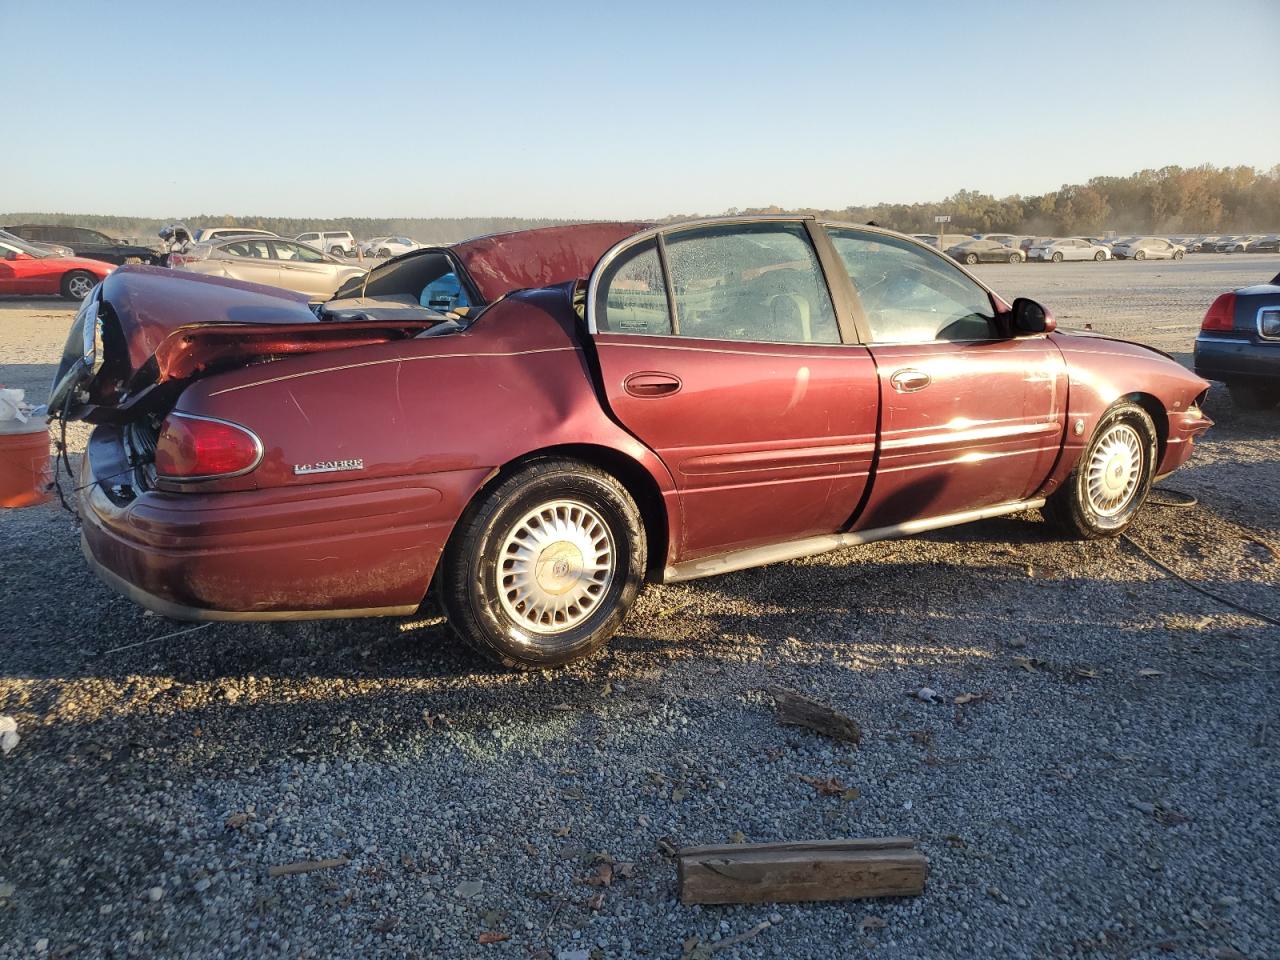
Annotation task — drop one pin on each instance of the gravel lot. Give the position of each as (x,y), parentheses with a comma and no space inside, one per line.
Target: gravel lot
(1080,805)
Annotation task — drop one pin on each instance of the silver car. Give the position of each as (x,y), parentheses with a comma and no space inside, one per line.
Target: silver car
(1072,248)
(1149,248)
(269,260)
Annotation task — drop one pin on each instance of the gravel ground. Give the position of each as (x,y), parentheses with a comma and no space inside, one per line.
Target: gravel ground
(1081,804)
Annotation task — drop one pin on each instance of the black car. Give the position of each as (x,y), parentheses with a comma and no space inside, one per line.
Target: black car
(85,242)
(1239,344)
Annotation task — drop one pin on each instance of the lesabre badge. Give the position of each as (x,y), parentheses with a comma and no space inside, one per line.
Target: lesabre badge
(328,466)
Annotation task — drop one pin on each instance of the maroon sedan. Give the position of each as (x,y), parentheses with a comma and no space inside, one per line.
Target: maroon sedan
(539,422)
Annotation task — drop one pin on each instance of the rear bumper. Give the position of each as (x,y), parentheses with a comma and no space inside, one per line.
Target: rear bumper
(360,548)
(1227,359)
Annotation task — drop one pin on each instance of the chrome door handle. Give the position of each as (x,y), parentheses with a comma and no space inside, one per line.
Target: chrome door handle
(910,381)
(649,384)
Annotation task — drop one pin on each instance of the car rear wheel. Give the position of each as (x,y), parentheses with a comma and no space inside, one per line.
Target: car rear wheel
(337,252)
(542,569)
(1015,258)
(1140,255)
(77,284)
(1111,479)
(1099,256)
(1178,254)
(1254,396)
(1057,257)
(971,258)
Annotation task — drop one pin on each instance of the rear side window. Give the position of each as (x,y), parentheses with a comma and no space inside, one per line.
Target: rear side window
(752,282)
(910,295)
(253,249)
(296,251)
(632,297)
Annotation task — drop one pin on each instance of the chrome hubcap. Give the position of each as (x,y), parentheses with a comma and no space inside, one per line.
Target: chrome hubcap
(555,566)
(1115,467)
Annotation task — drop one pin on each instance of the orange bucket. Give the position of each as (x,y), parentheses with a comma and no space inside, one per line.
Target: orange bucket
(24,462)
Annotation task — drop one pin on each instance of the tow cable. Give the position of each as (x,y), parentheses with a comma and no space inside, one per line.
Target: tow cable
(1178,500)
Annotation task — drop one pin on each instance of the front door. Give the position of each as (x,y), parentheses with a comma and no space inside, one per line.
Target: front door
(730,365)
(250,260)
(970,417)
(304,269)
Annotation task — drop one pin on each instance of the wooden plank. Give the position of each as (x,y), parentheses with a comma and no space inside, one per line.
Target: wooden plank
(305,866)
(796,872)
(793,708)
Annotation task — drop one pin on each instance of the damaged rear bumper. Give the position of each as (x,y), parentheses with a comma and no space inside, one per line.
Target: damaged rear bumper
(364,548)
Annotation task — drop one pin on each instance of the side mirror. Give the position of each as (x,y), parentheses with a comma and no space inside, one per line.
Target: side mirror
(18,255)
(1031,317)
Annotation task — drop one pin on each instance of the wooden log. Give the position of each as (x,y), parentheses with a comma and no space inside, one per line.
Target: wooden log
(305,866)
(798,710)
(795,872)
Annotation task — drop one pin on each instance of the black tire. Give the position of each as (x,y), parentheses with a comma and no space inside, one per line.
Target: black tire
(1099,256)
(1057,257)
(474,583)
(1178,254)
(384,252)
(337,252)
(1140,255)
(74,284)
(971,258)
(1015,258)
(1071,510)
(1254,396)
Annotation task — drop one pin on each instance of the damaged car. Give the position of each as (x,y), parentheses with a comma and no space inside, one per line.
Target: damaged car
(536,424)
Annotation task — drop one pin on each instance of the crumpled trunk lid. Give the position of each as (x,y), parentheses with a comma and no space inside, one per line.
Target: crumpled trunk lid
(145,332)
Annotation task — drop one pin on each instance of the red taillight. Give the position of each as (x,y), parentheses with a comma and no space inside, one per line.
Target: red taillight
(1222,314)
(197,448)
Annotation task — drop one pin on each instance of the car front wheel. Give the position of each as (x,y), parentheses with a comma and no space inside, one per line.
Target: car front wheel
(542,569)
(1015,258)
(1111,479)
(971,258)
(1056,258)
(77,284)
(1140,255)
(1254,396)
(1099,256)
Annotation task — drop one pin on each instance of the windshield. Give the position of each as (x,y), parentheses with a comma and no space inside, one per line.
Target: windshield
(17,243)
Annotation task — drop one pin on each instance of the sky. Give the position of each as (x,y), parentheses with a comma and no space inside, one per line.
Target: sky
(613,110)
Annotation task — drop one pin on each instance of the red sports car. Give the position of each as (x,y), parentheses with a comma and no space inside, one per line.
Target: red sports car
(539,422)
(27,269)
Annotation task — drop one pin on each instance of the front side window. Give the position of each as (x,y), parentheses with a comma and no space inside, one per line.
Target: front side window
(296,251)
(632,297)
(910,295)
(754,282)
(308,237)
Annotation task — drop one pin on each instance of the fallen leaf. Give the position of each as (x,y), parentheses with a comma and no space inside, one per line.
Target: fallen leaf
(238,820)
(603,877)
(830,787)
(624,869)
(666,846)
(561,707)
(596,901)
(853,793)
(563,831)
(872,923)
(491,936)
(1029,664)
(573,793)
(737,837)
(1150,672)
(1085,673)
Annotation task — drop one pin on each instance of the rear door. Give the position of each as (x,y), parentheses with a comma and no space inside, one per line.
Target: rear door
(249,259)
(720,349)
(970,417)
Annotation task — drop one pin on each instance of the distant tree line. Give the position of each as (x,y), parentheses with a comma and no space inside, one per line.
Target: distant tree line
(1170,200)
